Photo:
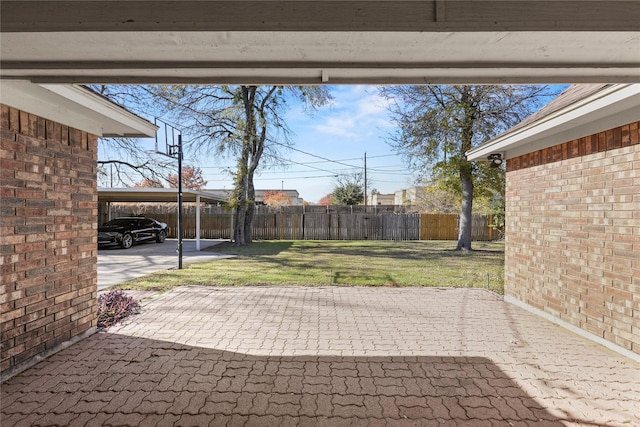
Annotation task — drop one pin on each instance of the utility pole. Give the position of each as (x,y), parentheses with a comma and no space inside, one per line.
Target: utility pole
(365,181)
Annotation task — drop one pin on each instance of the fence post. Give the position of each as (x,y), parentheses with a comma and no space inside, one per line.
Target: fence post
(231,223)
(295,224)
(490,228)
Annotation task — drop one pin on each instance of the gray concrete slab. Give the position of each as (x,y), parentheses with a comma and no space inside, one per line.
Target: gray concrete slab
(328,356)
(117,265)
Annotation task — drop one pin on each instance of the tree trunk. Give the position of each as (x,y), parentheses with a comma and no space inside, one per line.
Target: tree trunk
(251,210)
(466,172)
(238,231)
(466,220)
(258,135)
(240,198)
(253,147)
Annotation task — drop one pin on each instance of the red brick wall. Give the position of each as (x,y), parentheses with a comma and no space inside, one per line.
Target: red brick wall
(48,253)
(573,233)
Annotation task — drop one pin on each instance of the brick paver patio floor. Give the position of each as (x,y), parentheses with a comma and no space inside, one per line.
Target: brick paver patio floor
(330,356)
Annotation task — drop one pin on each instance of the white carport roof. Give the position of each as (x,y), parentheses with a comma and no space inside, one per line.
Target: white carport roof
(154,195)
(579,111)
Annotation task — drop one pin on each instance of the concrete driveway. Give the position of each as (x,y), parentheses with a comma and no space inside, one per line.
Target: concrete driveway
(330,356)
(116,265)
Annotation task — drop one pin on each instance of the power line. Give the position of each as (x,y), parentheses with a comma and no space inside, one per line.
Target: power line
(334,173)
(316,156)
(353,158)
(312,167)
(376,169)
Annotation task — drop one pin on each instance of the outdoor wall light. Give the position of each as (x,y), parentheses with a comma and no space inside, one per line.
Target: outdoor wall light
(495,159)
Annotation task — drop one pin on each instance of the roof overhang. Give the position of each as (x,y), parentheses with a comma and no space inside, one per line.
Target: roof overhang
(76,107)
(320,41)
(614,106)
(154,195)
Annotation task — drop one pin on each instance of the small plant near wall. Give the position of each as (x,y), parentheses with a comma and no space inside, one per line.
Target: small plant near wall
(115,306)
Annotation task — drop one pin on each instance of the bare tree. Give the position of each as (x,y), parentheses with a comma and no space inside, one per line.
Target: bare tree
(244,122)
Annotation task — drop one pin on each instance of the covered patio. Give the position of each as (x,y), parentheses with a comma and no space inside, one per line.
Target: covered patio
(269,358)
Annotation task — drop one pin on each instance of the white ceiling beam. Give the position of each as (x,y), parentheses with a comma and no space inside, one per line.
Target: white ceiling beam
(320,41)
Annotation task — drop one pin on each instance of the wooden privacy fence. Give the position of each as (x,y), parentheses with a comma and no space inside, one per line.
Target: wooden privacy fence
(340,226)
(331,226)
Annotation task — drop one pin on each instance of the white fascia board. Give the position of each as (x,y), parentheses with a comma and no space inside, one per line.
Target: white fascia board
(607,109)
(75,107)
(132,124)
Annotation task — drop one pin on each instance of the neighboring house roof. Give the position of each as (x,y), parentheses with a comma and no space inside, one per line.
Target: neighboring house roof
(76,107)
(579,111)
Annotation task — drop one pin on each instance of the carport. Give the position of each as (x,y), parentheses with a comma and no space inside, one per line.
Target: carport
(159,195)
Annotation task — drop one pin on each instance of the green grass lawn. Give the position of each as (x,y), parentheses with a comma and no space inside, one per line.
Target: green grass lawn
(342,263)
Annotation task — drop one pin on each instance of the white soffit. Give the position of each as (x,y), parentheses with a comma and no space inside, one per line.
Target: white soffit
(76,107)
(615,106)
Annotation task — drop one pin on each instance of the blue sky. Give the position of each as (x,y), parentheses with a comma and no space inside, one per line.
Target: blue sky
(329,143)
(355,123)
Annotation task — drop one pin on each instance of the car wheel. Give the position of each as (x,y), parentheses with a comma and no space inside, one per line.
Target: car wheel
(127,241)
(161,236)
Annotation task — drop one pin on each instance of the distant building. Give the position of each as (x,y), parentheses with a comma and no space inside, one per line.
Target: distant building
(293,195)
(380,199)
(409,196)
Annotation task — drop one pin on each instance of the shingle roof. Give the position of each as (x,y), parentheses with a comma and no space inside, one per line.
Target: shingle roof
(570,95)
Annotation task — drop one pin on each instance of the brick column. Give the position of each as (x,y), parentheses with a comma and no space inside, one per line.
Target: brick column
(48,222)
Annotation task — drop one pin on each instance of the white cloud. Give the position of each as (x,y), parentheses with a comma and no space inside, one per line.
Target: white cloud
(358,113)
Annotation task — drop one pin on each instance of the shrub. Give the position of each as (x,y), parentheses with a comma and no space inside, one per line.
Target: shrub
(115,306)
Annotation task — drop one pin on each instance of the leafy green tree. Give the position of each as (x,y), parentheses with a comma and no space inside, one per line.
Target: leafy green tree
(437,125)
(349,190)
